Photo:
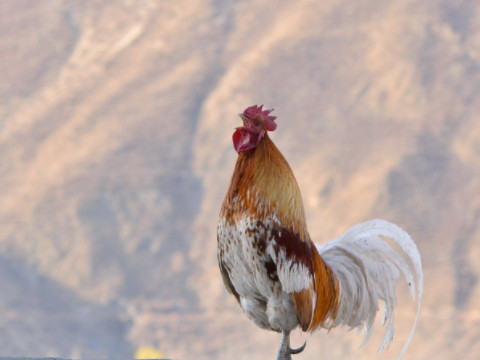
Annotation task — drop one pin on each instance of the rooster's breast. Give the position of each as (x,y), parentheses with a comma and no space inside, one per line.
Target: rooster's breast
(245,250)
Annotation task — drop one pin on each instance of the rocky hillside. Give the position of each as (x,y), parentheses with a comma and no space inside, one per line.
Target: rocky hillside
(115,135)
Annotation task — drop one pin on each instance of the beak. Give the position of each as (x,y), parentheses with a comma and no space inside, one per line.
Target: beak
(243,117)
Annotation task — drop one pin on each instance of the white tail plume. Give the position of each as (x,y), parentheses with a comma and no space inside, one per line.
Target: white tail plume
(367,269)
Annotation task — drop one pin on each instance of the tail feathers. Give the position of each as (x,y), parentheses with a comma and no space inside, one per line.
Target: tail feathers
(367,269)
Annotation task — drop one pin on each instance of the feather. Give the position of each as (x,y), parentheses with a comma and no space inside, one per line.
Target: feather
(367,269)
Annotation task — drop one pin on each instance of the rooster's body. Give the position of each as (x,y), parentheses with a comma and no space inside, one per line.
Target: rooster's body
(269,263)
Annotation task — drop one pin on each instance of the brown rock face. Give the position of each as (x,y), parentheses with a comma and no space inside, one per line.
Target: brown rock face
(115,142)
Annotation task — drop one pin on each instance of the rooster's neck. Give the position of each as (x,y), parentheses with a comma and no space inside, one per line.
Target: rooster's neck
(263,185)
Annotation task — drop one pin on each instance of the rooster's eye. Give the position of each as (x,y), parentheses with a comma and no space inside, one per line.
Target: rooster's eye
(257,122)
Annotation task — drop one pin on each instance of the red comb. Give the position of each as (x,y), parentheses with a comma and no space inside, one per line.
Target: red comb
(255,110)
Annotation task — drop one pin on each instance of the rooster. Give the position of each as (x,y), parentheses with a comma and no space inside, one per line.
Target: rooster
(280,278)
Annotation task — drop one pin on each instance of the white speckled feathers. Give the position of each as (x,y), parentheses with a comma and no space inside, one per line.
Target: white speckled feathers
(258,272)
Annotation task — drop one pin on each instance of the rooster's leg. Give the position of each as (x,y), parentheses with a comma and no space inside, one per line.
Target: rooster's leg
(285,352)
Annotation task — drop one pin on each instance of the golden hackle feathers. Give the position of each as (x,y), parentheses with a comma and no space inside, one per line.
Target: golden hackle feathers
(264,182)
(327,293)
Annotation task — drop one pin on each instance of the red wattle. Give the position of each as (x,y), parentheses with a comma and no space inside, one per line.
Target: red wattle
(244,140)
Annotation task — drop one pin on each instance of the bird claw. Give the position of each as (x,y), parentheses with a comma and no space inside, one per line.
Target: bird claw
(297,350)
(285,352)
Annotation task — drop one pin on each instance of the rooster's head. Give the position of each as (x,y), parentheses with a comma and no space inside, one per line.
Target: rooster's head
(256,122)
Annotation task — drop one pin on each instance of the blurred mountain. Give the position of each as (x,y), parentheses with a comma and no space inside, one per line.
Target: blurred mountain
(115,135)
